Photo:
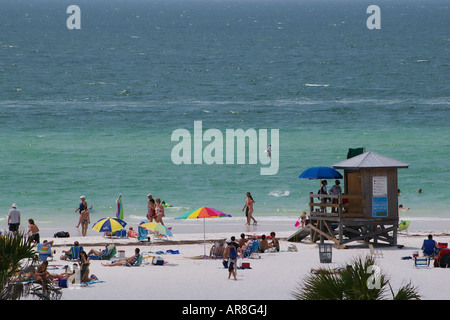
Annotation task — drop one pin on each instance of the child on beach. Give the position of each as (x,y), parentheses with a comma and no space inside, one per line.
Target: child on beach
(231,254)
(274,244)
(301,221)
(34,230)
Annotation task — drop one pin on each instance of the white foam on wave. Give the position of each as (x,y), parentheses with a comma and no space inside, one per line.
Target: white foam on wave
(316,85)
(279,193)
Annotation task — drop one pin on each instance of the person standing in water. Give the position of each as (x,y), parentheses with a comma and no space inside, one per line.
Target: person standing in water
(248,207)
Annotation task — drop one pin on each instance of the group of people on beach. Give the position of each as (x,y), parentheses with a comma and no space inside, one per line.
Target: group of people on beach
(155,209)
(335,190)
(79,273)
(14,224)
(231,250)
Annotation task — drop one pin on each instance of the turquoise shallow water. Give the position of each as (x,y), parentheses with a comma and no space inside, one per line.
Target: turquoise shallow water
(92,111)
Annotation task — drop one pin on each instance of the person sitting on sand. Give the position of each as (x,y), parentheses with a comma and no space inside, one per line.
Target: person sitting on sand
(263,244)
(42,272)
(217,250)
(83,262)
(242,241)
(132,233)
(131,261)
(275,243)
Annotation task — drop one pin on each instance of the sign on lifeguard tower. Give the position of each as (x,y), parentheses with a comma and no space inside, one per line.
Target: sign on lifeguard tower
(379,197)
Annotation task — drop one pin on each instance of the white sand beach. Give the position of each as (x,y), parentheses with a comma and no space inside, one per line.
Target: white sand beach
(274,276)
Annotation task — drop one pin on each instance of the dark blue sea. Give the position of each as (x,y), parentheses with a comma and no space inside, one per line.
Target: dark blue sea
(92,111)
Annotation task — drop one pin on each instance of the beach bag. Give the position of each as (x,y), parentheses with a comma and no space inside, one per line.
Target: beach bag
(292,248)
(61,234)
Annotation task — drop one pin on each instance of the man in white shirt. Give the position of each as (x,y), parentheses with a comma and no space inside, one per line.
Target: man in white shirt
(335,190)
(14,219)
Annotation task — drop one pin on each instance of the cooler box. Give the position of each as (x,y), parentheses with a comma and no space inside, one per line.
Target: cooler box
(121,253)
(158,261)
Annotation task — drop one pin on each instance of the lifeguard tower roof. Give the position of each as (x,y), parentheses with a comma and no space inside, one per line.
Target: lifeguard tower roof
(370,160)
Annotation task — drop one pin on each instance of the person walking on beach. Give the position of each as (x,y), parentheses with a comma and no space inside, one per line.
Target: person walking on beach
(33,230)
(85,221)
(151,209)
(159,211)
(248,207)
(14,219)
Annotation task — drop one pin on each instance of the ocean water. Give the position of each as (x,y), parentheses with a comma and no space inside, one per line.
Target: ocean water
(92,111)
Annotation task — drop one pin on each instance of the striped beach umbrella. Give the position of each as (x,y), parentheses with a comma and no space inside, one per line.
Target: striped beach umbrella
(203,213)
(157,227)
(109,224)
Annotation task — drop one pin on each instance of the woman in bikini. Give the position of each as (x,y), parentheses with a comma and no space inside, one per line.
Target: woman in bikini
(85,220)
(249,209)
(159,210)
(151,210)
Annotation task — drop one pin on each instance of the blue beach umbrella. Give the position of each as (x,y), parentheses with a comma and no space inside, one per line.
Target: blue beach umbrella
(320,173)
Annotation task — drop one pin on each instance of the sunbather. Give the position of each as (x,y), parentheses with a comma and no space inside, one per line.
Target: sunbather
(131,261)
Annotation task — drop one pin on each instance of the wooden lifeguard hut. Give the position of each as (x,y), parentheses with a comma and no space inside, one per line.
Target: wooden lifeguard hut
(368,207)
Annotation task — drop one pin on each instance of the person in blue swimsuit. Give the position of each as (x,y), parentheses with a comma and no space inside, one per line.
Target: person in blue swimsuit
(81,208)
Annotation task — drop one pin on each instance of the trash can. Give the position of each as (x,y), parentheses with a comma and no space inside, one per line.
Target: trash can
(325,252)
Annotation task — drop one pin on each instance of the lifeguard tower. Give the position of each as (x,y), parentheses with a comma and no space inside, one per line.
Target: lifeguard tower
(367,209)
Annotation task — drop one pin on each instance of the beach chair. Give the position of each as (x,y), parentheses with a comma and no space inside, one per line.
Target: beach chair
(137,263)
(442,245)
(44,251)
(429,248)
(422,261)
(375,253)
(443,259)
(111,251)
(74,253)
(143,234)
(106,254)
(252,250)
